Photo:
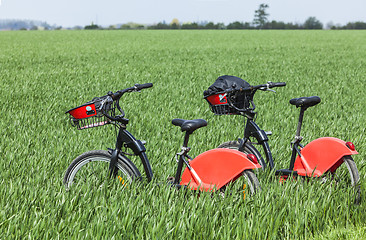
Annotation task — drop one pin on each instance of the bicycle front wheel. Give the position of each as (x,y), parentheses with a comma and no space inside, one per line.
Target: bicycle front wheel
(92,169)
(248,149)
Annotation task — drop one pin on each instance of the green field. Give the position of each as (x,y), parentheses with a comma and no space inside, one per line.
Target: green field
(43,74)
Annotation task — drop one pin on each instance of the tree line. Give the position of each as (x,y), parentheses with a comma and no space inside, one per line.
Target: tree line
(310,23)
(260,21)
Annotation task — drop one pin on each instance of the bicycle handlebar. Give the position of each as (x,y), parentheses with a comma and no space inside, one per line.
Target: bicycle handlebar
(277,84)
(253,89)
(263,87)
(142,86)
(117,95)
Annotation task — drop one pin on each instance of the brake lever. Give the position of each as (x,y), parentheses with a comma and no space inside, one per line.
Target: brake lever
(135,89)
(105,101)
(267,88)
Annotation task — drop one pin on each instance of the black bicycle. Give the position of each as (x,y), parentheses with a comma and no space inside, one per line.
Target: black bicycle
(327,158)
(209,171)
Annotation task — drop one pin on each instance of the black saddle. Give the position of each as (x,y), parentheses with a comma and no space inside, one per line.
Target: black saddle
(189,125)
(305,102)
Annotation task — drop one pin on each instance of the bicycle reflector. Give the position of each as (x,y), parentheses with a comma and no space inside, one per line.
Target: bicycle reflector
(253,158)
(351,146)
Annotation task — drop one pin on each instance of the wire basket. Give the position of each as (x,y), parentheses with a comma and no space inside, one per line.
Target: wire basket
(92,114)
(220,106)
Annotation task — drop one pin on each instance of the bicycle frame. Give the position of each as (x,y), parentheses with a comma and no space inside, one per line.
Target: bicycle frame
(253,130)
(316,158)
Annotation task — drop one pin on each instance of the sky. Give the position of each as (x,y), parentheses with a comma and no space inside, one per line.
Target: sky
(69,13)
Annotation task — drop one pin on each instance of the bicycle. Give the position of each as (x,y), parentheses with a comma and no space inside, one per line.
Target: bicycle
(320,158)
(206,172)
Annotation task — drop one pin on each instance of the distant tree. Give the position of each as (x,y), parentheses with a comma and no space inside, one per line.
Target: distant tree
(221,26)
(132,25)
(160,25)
(210,25)
(277,25)
(125,26)
(360,25)
(92,26)
(355,25)
(175,24)
(235,25)
(313,23)
(190,26)
(260,16)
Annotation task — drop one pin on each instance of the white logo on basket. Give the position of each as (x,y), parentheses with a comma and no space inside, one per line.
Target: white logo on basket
(222,97)
(88,108)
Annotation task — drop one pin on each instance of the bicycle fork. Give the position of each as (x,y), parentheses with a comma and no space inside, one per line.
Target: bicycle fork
(253,130)
(125,138)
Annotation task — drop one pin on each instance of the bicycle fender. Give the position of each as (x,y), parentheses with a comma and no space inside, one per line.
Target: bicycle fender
(215,168)
(320,156)
(131,142)
(138,149)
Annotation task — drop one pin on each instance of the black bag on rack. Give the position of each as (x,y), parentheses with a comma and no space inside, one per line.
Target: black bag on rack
(216,95)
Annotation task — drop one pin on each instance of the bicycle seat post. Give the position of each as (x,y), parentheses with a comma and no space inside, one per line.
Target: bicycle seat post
(186,139)
(304,103)
(301,117)
(187,126)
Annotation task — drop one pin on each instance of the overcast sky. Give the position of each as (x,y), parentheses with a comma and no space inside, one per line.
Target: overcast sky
(69,13)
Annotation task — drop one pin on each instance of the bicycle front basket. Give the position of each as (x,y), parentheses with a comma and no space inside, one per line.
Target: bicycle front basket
(217,96)
(91,114)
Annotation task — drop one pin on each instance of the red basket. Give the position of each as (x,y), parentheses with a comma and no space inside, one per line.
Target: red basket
(90,114)
(219,104)
(84,111)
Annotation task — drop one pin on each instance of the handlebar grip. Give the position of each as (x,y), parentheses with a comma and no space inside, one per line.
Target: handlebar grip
(142,86)
(278,84)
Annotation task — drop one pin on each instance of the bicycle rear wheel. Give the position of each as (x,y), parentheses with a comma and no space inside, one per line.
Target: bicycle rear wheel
(92,169)
(346,175)
(247,185)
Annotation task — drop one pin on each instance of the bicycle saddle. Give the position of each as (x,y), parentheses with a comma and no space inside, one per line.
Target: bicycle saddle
(189,125)
(305,101)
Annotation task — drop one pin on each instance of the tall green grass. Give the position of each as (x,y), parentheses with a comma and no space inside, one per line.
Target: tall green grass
(43,74)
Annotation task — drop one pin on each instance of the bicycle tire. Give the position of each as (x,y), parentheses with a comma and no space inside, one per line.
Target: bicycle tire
(348,175)
(248,149)
(92,167)
(250,182)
